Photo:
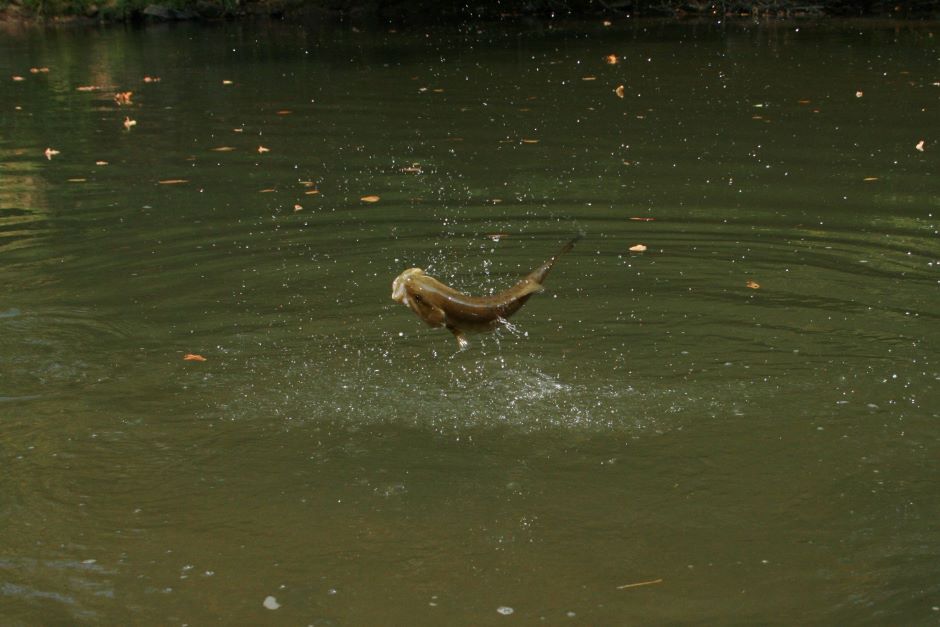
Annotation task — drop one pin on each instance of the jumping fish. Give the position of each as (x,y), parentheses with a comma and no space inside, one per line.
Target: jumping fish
(440,305)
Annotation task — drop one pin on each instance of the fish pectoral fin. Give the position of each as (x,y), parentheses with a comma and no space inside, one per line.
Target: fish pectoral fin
(459,336)
(436,317)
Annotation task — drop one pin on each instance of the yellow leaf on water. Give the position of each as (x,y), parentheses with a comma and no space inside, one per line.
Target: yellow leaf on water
(754,285)
(371,198)
(193,357)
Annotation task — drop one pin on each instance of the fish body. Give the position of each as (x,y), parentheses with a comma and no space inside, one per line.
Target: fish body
(440,305)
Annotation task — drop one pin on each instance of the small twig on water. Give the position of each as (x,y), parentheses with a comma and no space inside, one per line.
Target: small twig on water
(639,583)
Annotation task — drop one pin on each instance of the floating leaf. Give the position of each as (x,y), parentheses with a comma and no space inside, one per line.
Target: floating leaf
(642,219)
(638,248)
(77,180)
(619,91)
(268,190)
(193,357)
(920,146)
(411,169)
(588,78)
(612,59)
(869,179)
(284,112)
(311,192)
(50,153)
(123,97)
(173,181)
(222,149)
(262,150)
(754,285)
(371,198)
(128,123)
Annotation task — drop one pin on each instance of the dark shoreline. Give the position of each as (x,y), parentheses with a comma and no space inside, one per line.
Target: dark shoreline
(90,12)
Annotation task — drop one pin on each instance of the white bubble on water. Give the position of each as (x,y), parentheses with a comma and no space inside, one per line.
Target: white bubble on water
(271,603)
(505,610)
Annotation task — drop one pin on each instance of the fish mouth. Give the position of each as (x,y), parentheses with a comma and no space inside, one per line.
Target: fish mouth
(399,291)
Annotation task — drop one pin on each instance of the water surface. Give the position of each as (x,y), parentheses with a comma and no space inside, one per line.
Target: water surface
(742,417)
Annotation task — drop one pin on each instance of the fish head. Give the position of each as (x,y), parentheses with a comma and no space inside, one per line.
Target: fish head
(400,285)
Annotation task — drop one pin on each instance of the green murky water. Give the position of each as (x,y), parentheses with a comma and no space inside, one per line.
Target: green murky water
(762,456)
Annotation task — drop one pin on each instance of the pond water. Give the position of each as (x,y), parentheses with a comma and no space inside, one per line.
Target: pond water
(743,419)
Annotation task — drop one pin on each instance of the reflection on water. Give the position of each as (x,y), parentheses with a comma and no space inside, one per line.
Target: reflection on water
(745,410)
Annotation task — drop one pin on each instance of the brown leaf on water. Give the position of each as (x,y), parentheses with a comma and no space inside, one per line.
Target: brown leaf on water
(638,248)
(173,181)
(619,91)
(128,123)
(371,198)
(193,357)
(612,59)
(50,153)
(307,183)
(262,150)
(222,149)
(284,112)
(268,190)
(754,285)
(411,169)
(920,146)
(123,97)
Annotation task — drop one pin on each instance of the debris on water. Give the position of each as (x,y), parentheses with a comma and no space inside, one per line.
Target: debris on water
(612,59)
(123,97)
(638,248)
(639,583)
(920,146)
(193,357)
(619,91)
(271,603)
(859,94)
(263,149)
(505,610)
(128,123)
(370,198)
(50,153)
(753,284)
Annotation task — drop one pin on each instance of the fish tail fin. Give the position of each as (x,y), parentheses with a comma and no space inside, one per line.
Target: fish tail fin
(538,275)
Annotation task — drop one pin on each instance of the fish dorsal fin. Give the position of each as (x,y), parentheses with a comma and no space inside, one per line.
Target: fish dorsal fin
(527,287)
